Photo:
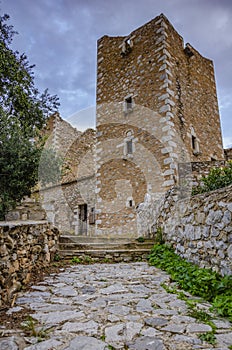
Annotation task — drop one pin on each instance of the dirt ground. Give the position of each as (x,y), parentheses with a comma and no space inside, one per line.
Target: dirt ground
(14,320)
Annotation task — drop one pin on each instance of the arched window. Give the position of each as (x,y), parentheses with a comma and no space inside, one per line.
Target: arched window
(129,143)
(128,104)
(194,142)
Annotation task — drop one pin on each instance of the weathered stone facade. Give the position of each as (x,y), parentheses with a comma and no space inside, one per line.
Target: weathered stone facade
(23,247)
(155,98)
(200,227)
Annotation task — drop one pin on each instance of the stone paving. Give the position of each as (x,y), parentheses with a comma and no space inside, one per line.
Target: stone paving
(110,306)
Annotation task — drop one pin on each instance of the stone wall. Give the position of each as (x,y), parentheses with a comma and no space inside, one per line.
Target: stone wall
(29,209)
(228,153)
(24,247)
(200,227)
(200,169)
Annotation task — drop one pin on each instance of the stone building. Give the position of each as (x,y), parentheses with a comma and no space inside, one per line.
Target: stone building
(158,126)
(157,108)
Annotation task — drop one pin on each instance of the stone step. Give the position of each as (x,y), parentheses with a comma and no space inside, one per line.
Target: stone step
(113,255)
(104,248)
(95,239)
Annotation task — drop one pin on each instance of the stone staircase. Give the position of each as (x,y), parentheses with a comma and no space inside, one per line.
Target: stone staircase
(86,249)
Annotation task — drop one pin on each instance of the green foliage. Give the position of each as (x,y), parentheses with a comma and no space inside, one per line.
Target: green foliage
(31,328)
(159,236)
(76,260)
(57,257)
(200,315)
(18,162)
(198,281)
(23,111)
(217,178)
(87,259)
(209,337)
(140,239)
(18,94)
(223,304)
(82,260)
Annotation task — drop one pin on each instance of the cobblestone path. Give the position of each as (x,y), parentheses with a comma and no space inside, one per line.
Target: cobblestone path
(111,306)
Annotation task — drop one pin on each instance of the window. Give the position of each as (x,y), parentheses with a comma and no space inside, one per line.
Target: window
(128,104)
(194,142)
(130,203)
(92,216)
(82,222)
(129,147)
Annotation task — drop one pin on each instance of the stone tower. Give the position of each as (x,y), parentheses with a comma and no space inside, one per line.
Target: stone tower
(156,107)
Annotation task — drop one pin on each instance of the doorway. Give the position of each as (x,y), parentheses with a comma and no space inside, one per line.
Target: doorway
(82,222)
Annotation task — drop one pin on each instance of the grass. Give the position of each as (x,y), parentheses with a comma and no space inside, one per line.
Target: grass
(31,328)
(209,337)
(82,260)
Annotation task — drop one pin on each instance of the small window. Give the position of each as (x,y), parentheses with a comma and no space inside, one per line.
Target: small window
(128,104)
(129,144)
(194,143)
(129,147)
(130,203)
(92,216)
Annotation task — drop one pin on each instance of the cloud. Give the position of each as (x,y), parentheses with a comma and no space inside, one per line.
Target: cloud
(60,37)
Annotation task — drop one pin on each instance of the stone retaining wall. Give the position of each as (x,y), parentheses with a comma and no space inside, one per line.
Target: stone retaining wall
(200,227)
(24,246)
(200,169)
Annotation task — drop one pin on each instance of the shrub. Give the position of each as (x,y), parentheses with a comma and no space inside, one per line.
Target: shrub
(217,178)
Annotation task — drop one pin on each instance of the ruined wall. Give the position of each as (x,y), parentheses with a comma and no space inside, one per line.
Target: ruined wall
(200,227)
(161,98)
(60,134)
(58,203)
(23,247)
(228,153)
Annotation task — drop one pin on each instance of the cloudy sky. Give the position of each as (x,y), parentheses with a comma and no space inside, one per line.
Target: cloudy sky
(59,36)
